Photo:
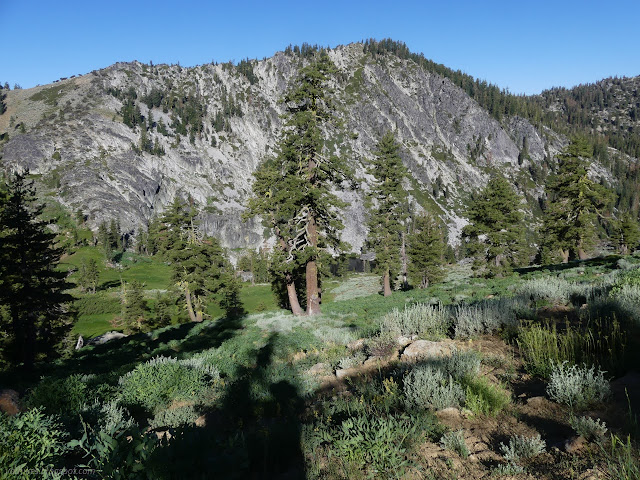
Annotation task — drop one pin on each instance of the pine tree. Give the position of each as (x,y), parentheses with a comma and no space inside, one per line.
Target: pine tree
(426,251)
(292,189)
(626,234)
(574,203)
(134,308)
(31,288)
(88,275)
(387,204)
(495,217)
(200,267)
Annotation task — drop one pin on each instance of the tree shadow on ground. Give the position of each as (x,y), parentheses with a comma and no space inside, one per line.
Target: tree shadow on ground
(253,433)
(608,261)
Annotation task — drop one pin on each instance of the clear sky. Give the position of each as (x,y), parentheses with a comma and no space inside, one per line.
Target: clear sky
(524,46)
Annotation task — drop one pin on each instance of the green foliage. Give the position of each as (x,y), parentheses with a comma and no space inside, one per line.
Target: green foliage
(174,417)
(600,343)
(454,441)
(88,275)
(575,202)
(292,190)
(630,278)
(587,427)
(31,286)
(419,319)
(626,233)
(578,387)
(387,202)
(31,443)
(426,250)
(428,387)
(621,459)
(495,214)
(484,398)
(134,308)
(377,444)
(153,385)
(522,448)
(60,396)
(98,303)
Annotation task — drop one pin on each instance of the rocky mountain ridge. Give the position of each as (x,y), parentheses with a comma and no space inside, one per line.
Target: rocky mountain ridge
(121,142)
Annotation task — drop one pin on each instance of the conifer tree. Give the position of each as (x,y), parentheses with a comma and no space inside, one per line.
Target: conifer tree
(134,308)
(387,202)
(31,288)
(626,234)
(426,251)
(88,275)
(574,203)
(494,216)
(292,189)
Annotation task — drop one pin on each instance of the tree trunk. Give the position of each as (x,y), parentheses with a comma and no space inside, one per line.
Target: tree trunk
(313,294)
(296,309)
(582,255)
(386,284)
(187,298)
(565,255)
(403,255)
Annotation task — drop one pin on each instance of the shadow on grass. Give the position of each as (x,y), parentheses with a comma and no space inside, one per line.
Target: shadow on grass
(608,261)
(253,433)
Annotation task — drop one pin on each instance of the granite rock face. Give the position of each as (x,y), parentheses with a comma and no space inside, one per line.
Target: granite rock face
(86,157)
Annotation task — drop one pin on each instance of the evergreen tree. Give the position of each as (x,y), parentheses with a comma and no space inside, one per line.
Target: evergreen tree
(200,267)
(292,190)
(495,235)
(626,234)
(426,251)
(134,308)
(574,203)
(88,275)
(31,288)
(387,204)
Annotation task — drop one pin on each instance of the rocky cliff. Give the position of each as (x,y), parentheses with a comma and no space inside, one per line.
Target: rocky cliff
(215,123)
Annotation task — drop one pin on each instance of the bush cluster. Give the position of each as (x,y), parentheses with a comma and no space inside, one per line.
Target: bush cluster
(577,386)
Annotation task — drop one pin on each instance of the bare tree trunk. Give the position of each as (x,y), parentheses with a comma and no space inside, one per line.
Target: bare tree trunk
(187,298)
(296,309)
(582,255)
(403,255)
(386,284)
(565,255)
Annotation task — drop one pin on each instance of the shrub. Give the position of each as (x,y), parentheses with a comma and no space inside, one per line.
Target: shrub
(352,361)
(589,428)
(66,395)
(381,346)
(154,384)
(620,459)
(428,387)
(522,448)
(30,441)
(454,441)
(578,387)
(462,364)
(483,398)
(487,316)
(174,417)
(379,443)
(419,319)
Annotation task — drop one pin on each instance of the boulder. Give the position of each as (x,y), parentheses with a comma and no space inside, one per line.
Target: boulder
(9,402)
(423,349)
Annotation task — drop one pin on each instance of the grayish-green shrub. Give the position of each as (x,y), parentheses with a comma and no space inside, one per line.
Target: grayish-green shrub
(522,448)
(577,386)
(487,316)
(462,363)
(419,319)
(454,441)
(589,428)
(428,387)
(174,417)
(353,361)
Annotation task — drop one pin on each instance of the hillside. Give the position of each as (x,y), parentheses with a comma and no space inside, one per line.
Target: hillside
(121,142)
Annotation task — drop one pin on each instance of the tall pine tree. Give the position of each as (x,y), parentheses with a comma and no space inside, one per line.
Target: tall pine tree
(495,235)
(292,190)
(574,203)
(426,251)
(387,201)
(31,288)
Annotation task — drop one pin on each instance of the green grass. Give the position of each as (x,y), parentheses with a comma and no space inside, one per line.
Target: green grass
(93,325)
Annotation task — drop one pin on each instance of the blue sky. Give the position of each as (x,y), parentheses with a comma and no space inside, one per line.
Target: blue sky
(523,46)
